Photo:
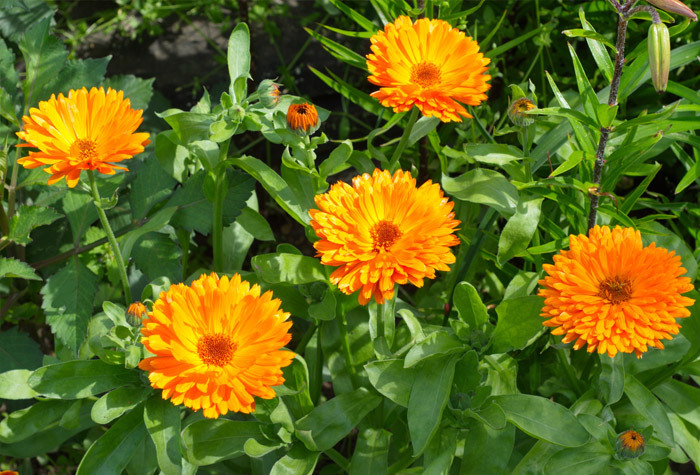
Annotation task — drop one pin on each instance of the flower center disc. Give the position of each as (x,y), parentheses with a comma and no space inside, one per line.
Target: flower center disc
(216,349)
(616,290)
(425,74)
(86,151)
(384,234)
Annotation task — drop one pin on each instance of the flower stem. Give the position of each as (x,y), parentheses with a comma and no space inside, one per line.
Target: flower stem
(612,100)
(338,458)
(347,354)
(569,373)
(110,237)
(394,162)
(218,211)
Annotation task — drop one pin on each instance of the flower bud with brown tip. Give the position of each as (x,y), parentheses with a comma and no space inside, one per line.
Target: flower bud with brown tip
(675,6)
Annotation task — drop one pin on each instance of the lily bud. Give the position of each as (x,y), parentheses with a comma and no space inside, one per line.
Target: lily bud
(675,6)
(659,55)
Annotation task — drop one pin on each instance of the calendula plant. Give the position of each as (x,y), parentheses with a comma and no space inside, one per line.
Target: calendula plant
(482,282)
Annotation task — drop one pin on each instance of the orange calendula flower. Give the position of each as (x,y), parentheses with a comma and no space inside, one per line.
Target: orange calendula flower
(302,117)
(84,131)
(430,64)
(610,292)
(383,230)
(217,343)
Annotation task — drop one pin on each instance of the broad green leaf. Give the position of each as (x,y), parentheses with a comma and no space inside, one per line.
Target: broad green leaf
(18,351)
(487,450)
(44,56)
(144,459)
(172,156)
(421,128)
(391,379)
(16,16)
(298,461)
(543,419)
(79,73)
(138,90)
(156,255)
(328,423)
(10,267)
(289,269)
(325,309)
(238,58)
(483,186)
(438,343)
(156,223)
(80,378)
(429,394)
(518,231)
(21,424)
(682,398)
(650,408)
(189,126)
(28,218)
(162,419)
(519,322)
(113,450)
(68,297)
(371,452)
(254,223)
(687,437)
(80,211)
(440,453)
(117,402)
(470,308)
(592,458)
(535,459)
(213,440)
(612,378)
(151,185)
(490,414)
(13,385)
(336,160)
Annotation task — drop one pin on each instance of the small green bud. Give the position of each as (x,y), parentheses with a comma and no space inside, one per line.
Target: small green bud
(659,55)
(630,444)
(269,93)
(517,112)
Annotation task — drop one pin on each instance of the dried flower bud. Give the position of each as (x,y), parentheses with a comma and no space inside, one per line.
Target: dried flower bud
(659,44)
(674,6)
(269,93)
(135,313)
(630,444)
(516,112)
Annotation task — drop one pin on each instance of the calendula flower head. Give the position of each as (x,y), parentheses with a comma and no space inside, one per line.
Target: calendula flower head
(517,112)
(302,118)
(630,444)
(430,65)
(217,343)
(383,230)
(136,312)
(613,294)
(269,93)
(84,131)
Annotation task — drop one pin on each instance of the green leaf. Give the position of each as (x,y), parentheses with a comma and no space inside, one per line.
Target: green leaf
(291,269)
(371,452)
(681,398)
(328,423)
(156,255)
(21,424)
(543,419)
(612,378)
(138,90)
(44,56)
(391,379)
(13,385)
(336,160)
(172,156)
(589,34)
(254,223)
(189,126)
(440,453)
(162,419)
(298,461)
(80,378)
(439,343)
(113,450)
(117,402)
(519,322)
(588,96)
(10,267)
(361,21)
(429,394)
(274,185)
(68,297)
(518,231)
(339,51)
(351,93)
(650,408)
(79,73)
(18,351)
(80,211)
(470,308)
(493,154)
(16,16)
(483,186)
(238,58)
(573,160)
(213,440)
(28,218)
(151,185)
(592,458)
(487,450)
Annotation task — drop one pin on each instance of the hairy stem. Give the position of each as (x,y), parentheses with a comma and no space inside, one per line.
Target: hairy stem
(218,211)
(394,162)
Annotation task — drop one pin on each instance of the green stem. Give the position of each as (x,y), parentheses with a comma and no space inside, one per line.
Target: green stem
(345,344)
(338,458)
(394,162)
(569,372)
(110,237)
(218,216)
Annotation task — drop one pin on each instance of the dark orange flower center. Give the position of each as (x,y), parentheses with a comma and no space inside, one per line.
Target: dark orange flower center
(425,74)
(616,290)
(216,349)
(86,150)
(384,234)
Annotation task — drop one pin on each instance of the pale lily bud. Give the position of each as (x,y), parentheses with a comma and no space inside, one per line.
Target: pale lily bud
(675,6)
(659,55)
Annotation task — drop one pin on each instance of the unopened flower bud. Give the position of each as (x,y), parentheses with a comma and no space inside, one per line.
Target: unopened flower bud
(302,118)
(135,313)
(630,444)
(269,93)
(659,55)
(675,6)
(517,112)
